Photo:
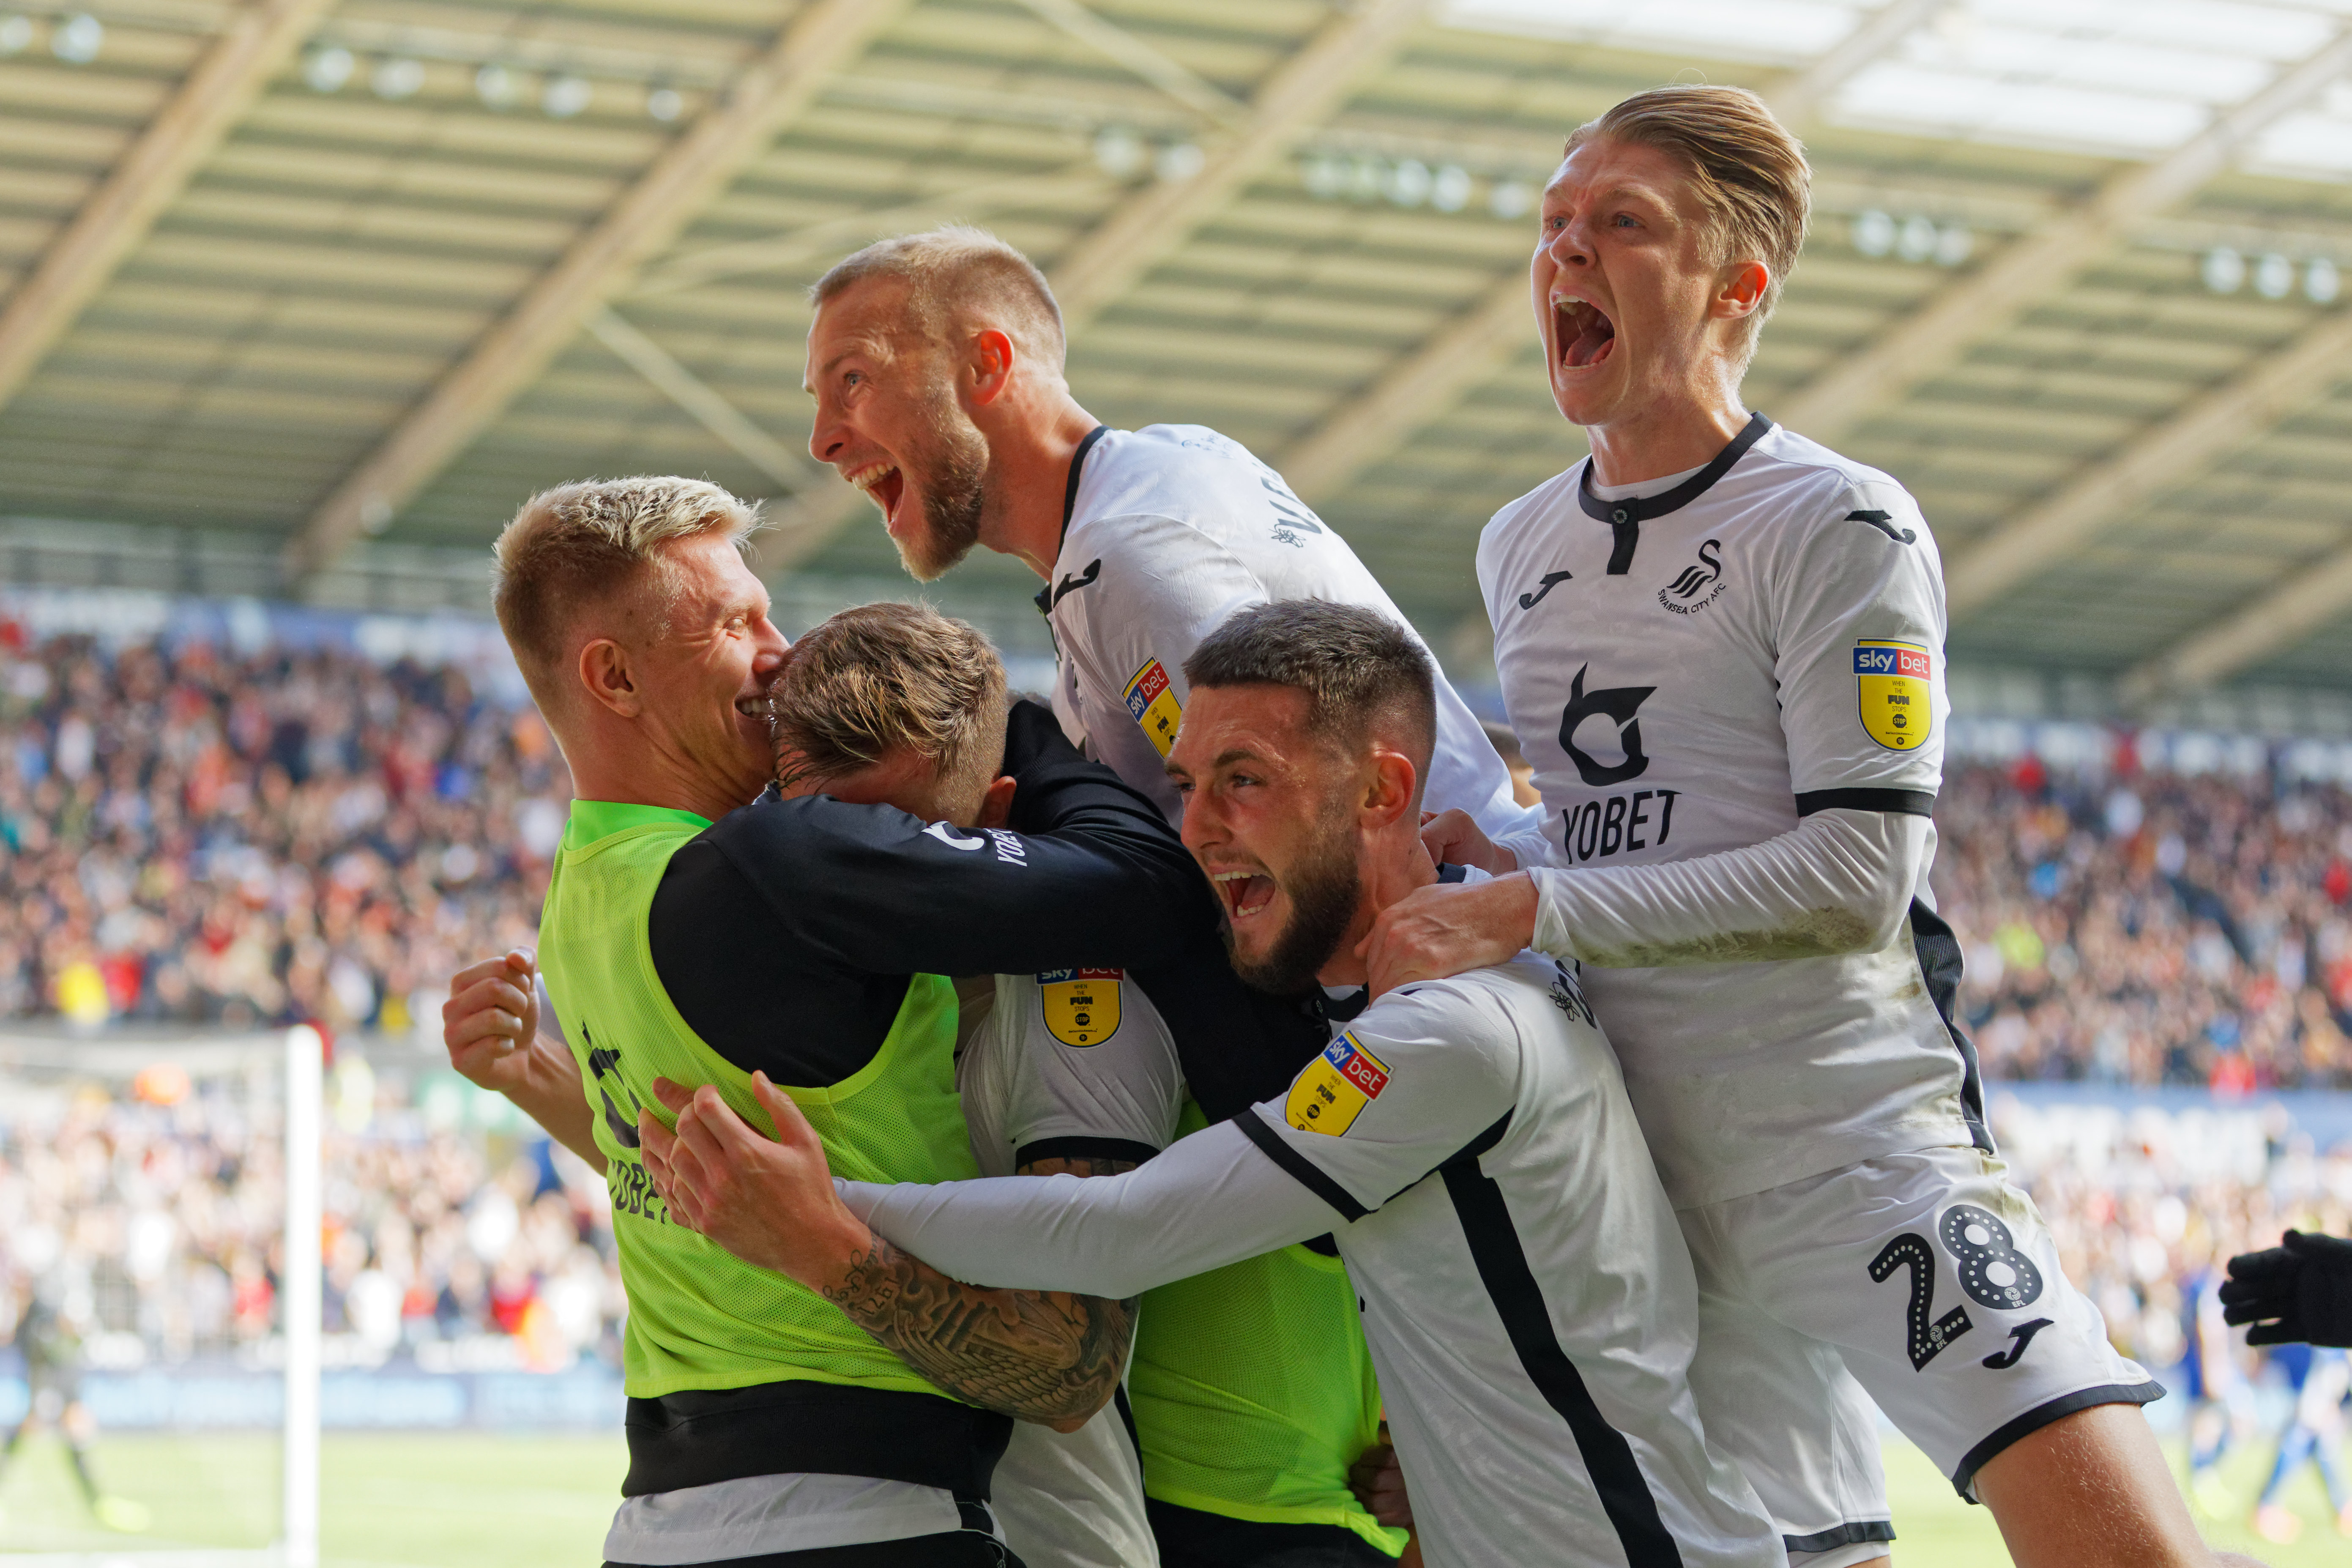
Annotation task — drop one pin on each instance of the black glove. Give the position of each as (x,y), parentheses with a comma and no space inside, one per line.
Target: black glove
(2300,1292)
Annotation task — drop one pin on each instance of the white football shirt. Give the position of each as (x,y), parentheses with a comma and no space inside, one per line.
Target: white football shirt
(1710,659)
(1072,1063)
(1527,1297)
(1171,528)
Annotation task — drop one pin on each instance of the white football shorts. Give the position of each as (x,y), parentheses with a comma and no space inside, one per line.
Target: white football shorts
(1924,1279)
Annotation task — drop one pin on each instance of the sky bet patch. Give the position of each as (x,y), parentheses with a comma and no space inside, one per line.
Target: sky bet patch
(1081,1004)
(1896,704)
(1335,1087)
(1154,706)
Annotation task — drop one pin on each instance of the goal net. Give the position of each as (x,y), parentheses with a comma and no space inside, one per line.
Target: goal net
(160,1293)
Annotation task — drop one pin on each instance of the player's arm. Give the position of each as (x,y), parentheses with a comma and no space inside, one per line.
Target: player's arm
(1841,881)
(1047,1356)
(1088,873)
(499,1037)
(1419,1081)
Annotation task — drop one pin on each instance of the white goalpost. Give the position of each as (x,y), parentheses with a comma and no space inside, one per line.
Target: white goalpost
(38,1066)
(305,1192)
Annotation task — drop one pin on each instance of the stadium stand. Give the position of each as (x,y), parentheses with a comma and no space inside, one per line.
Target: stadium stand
(159,1225)
(195,837)
(2147,928)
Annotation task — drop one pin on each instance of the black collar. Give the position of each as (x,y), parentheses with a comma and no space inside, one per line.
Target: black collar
(1077,468)
(1069,504)
(1627,516)
(1343,1009)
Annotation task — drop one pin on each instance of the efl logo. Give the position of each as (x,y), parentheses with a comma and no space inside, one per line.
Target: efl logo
(1328,1097)
(1081,1006)
(1153,706)
(1893,690)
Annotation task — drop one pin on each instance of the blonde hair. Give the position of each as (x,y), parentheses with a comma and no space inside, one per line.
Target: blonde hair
(1749,173)
(952,273)
(583,545)
(882,677)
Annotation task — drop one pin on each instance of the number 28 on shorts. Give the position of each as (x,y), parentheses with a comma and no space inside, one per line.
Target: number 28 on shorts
(1992,1273)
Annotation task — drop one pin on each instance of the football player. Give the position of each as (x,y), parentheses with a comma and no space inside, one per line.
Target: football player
(1722,645)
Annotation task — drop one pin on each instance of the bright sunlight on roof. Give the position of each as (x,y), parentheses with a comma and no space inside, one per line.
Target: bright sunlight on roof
(2132,78)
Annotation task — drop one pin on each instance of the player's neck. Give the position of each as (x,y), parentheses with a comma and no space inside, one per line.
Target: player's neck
(1664,438)
(1391,867)
(1029,452)
(624,770)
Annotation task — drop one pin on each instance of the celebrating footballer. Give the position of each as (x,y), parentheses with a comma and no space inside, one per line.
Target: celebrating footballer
(1204,1120)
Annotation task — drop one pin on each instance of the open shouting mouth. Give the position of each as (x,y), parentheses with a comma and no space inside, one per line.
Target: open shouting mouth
(1583,332)
(1246,894)
(885,486)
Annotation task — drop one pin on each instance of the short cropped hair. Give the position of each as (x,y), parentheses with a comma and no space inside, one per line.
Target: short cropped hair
(880,678)
(583,543)
(1359,670)
(1749,173)
(954,272)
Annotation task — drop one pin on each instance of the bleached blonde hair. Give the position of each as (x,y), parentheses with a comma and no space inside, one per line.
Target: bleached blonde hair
(589,542)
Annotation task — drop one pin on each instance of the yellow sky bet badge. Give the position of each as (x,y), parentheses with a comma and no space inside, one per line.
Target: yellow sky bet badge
(1335,1087)
(1896,702)
(1081,1004)
(1154,705)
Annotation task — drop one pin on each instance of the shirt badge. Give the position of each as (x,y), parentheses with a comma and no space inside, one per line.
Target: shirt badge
(1897,704)
(1154,706)
(1700,585)
(1081,1005)
(1335,1088)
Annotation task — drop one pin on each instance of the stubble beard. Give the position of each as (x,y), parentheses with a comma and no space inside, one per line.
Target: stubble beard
(1324,888)
(954,458)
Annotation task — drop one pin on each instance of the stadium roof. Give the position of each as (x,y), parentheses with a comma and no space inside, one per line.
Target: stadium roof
(323,288)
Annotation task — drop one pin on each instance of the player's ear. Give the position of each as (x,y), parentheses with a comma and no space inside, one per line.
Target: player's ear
(1389,789)
(990,367)
(996,805)
(604,671)
(1741,291)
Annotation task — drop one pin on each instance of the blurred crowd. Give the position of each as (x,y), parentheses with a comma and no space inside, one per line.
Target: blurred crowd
(151,1221)
(2138,928)
(240,841)
(189,837)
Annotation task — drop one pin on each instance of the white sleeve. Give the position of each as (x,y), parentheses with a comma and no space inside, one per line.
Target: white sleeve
(1859,660)
(1208,1201)
(1163,586)
(1422,1074)
(1116,1098)
(1840,882)
(1858,642)
(1529,848)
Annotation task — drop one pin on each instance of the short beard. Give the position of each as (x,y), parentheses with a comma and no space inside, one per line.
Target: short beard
(954,457)
(1325,888)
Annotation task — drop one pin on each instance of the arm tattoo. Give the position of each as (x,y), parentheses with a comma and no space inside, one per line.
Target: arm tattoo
(1040,1356)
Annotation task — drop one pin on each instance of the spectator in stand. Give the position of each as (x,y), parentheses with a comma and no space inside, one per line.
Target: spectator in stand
(2151,929)
(189,837)
(161,1224)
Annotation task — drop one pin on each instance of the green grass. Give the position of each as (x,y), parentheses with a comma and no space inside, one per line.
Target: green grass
(400,1500)
(406,1500)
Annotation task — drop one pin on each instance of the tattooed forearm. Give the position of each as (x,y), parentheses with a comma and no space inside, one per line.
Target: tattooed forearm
(1047,1356)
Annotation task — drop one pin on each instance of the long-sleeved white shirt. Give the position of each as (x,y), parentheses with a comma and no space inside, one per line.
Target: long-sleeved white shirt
(1730,686)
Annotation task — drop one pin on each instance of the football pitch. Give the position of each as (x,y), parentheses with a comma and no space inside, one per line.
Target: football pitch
(518,1502)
